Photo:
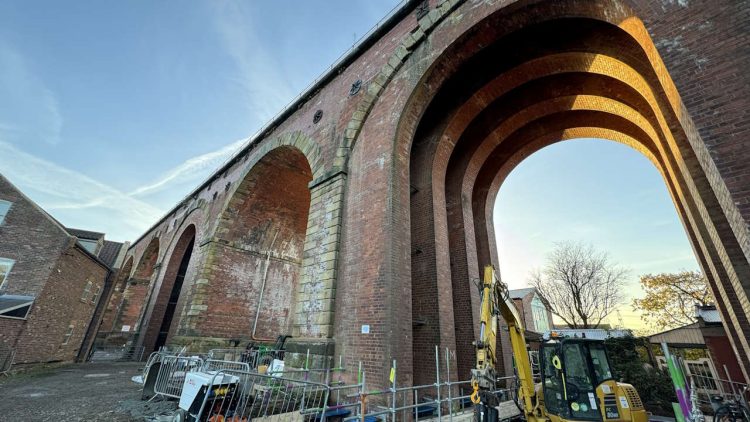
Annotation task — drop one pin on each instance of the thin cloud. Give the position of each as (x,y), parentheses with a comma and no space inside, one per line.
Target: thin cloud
(258,73)
(687,257)
(68,192)
(31,111)
(194,168)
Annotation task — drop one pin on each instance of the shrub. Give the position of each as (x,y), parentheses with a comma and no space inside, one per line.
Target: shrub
(626,356)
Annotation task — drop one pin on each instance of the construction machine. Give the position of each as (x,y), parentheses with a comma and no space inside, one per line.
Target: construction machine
(577,383)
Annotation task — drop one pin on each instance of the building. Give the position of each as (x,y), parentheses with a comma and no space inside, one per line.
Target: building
(112,254)
(51,284)
(536,318)
(707,335)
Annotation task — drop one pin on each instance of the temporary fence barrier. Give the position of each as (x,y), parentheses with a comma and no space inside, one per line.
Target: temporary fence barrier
(243,396)
(219,365)
(255,358)
(238,392)
(441,400)
(170,375)
(708,386)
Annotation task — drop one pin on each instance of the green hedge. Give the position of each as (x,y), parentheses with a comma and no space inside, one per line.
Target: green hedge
(628,357)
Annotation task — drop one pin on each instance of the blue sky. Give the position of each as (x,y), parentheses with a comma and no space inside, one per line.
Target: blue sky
(110,112)
(593,191)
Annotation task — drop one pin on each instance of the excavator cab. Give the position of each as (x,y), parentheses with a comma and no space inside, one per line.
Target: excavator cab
(578,384)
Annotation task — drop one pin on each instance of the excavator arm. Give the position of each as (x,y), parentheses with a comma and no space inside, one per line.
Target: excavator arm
(496,302)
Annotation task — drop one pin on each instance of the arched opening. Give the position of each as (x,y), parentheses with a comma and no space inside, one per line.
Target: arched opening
(583,192)
(565,72)
(161,326)
(136,290)
(115,299)
(255,262)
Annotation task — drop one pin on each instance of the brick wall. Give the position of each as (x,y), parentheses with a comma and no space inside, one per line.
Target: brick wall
(50,267)
(435,84)
(185,245)
(32,239)
(114,300)
(60,305)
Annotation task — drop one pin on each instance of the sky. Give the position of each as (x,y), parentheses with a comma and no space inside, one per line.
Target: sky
(111,112)
(597,192)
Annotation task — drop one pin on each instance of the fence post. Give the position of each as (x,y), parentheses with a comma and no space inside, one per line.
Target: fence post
(393,391)
(731,382)
(416,404)
(363,399)
(448,383)
(437,374)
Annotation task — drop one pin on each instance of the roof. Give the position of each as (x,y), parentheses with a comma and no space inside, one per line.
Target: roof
(64,230)
(520,293)
(592,333)
(708,314)
(109,252)
(85,234)
(35,205)
(686,335)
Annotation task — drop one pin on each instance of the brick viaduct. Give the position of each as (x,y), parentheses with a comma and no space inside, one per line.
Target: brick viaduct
(368,201)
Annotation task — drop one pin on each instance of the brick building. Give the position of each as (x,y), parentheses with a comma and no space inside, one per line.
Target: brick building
(50,284)
(358,218)
(536,319)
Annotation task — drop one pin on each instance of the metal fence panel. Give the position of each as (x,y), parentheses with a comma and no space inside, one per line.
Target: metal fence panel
(171,376)
(219,365)
(263,398)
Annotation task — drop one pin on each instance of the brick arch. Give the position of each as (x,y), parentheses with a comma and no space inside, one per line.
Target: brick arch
(257,247)
(192,219)
(296,140)
(665,135)
(161,324)
(137,289)
(115,299)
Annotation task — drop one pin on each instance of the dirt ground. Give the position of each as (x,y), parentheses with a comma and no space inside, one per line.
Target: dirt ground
(81,392)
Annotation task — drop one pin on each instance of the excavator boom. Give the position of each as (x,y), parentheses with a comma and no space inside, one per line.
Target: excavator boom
(496,302)
(577,382)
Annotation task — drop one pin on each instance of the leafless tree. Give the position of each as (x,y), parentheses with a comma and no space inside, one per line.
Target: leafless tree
(579,284)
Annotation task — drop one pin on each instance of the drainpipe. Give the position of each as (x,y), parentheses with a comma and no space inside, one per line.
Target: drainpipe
(263,287)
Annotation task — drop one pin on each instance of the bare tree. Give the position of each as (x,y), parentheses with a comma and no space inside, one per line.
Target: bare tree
(579,284)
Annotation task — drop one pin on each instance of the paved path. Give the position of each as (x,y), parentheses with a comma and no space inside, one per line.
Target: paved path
(81,392)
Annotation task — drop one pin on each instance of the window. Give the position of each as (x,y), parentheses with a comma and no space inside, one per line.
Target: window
(580,388)
(4,208)
(553,390)
(5,266)
(96,293)
(86,292)
(89,245)
(600,362)
(539,312)
(13,306)
(68,335)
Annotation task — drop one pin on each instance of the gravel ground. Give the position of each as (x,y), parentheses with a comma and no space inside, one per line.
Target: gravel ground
(81,392)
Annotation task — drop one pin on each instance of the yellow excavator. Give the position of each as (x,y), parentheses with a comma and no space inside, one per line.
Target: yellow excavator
(577,383)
